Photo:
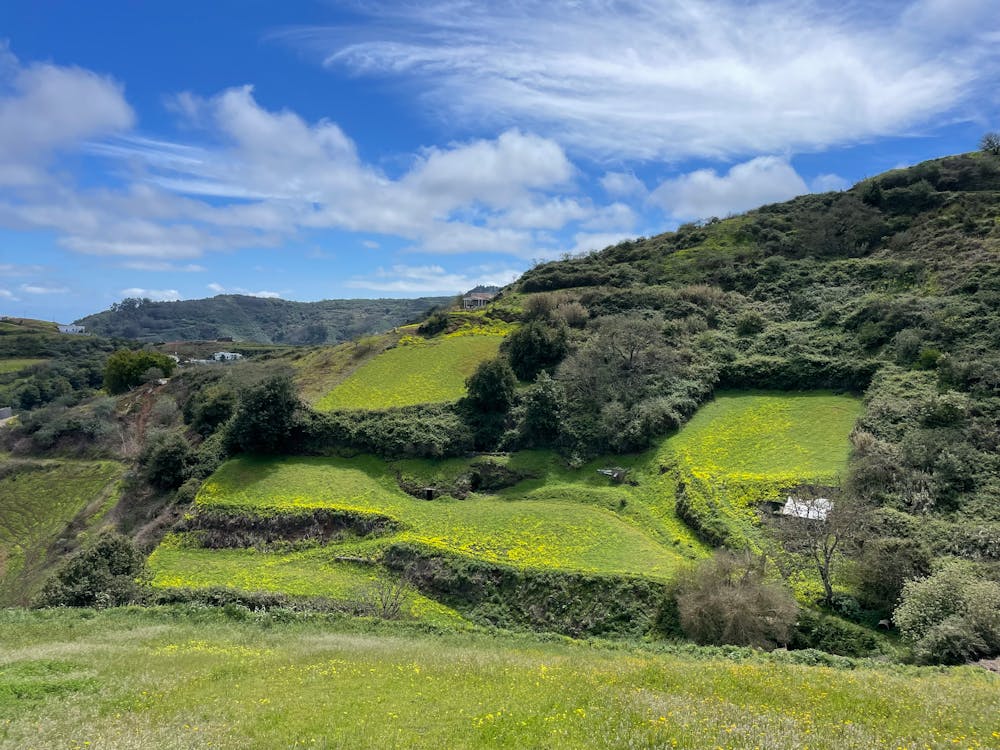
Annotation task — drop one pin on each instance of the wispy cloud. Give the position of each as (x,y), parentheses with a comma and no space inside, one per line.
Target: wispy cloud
(43,289)
(670,79)
(432,279)
(162,266)
(157,295)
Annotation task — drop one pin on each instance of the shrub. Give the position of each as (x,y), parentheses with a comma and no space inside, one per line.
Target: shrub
(726,600)
(952,616)
(165,461)
(109,573)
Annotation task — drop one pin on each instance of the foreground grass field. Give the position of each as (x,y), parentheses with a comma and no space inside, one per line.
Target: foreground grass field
(37,502)
(415,372)
(174,679)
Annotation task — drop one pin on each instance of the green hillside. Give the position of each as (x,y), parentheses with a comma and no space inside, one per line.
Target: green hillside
(550,518)
(257,319)
(38,500)
(190,678)
(416,371)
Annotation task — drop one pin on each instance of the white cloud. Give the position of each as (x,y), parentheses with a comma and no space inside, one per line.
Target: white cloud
(220,289)
(45,107)
(705,193)
(669,79)
(164,266)
(432,279)
(43,289)
(157,295)
(7,294)
(371,244)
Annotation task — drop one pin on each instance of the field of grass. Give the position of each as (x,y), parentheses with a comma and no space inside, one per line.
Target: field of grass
(562,534)
(417,371)
(37,502)
(16,365)
(186,678)
(308,572)
(744,448)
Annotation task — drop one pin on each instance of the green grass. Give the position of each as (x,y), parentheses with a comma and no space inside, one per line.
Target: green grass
(535,532)
(769,435)
(415,372)
(309,572)
(16,365)
(185,678)
(741,449)
(37,502)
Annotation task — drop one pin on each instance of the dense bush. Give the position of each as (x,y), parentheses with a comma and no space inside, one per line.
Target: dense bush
(166,460)
(127,368)
(952,616)
(534,347)
(268,418)
(108,573)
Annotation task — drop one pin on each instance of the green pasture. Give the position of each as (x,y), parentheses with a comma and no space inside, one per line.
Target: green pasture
(37,502)
(309,572)
(561,533)
(16,365)
(187,678)
(416,371)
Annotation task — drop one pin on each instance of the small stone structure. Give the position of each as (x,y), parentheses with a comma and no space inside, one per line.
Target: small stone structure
(616,474)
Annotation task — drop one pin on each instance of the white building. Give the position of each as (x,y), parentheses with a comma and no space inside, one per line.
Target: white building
(71,328)
(816,509)
(226,356)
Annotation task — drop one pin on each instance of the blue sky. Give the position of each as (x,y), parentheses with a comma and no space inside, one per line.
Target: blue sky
(314,150)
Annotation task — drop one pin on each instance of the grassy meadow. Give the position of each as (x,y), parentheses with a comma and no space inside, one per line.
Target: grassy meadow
(190,678)
(38,500)
(417,371)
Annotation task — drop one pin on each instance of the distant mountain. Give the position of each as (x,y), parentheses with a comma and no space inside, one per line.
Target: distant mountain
(269,321)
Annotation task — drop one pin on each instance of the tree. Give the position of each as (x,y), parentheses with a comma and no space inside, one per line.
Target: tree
(126,369)
(492,390)
(990,143)
(266,418)
(166,461)
(884,567)
(727,600)
(540,413)
(818,534)
(109,573)
(534,347)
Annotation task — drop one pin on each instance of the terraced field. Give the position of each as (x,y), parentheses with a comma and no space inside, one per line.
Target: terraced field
(739,450)
(417,371)
(37,502)
(189,678)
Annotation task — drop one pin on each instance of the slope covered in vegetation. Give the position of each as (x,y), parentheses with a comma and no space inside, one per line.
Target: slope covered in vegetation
(257,319)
